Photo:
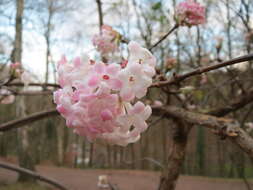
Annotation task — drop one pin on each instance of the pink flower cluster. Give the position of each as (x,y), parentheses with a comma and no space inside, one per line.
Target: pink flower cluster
(106,42)
(190,13)
(96,98)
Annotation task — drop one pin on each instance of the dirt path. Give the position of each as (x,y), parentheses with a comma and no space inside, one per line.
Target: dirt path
(77,179)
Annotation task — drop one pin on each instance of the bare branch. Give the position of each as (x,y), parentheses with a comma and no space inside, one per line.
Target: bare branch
(32,174)
(26,120)
(178,78)
(224,126)
(243,101)
(27,92)
(34,84)
(6,81)
(164,37)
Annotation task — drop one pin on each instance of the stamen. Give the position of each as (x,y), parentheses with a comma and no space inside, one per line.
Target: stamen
(124,63)
(106,77)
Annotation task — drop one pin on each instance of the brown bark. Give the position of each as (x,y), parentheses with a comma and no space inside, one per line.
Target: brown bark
(133,156)
(83,153)
(109,160)
(91,155)
(223,126)
(100,14)
(176,157)
(60,145)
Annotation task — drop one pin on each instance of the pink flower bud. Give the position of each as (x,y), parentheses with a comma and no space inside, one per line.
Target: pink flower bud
(190,13)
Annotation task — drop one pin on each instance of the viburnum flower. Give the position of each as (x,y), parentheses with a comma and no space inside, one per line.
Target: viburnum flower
(106,42)
(190,13)
(106,74)
(135,82)
(99,115)
(137,75)
(96,98)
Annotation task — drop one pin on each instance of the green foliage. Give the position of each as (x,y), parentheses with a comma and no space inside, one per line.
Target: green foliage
(157,6)
(199,94)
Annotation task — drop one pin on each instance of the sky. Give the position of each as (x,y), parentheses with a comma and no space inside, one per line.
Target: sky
(73,31)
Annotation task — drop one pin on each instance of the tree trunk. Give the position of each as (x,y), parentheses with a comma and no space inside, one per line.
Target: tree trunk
(176,157)
(24,157)
(91,155)
(200,151)
(109,161)
(17,50)
(133,157)
(83,153)
(24,149)
(60,145)
(48,45)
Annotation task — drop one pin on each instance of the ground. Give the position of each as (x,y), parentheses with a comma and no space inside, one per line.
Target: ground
(77,179)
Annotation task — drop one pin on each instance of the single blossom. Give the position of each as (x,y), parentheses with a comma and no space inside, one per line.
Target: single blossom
(106,74)
(135,82)
(190,13)
(137,74)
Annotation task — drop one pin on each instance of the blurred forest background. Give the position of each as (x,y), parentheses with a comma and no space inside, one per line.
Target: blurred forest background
(52,28)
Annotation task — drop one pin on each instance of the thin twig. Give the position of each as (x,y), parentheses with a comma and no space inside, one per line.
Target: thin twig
(164,37)
(240,103)
(7,81)
(34,84)
(100,14)
(26,93)
(178,78)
